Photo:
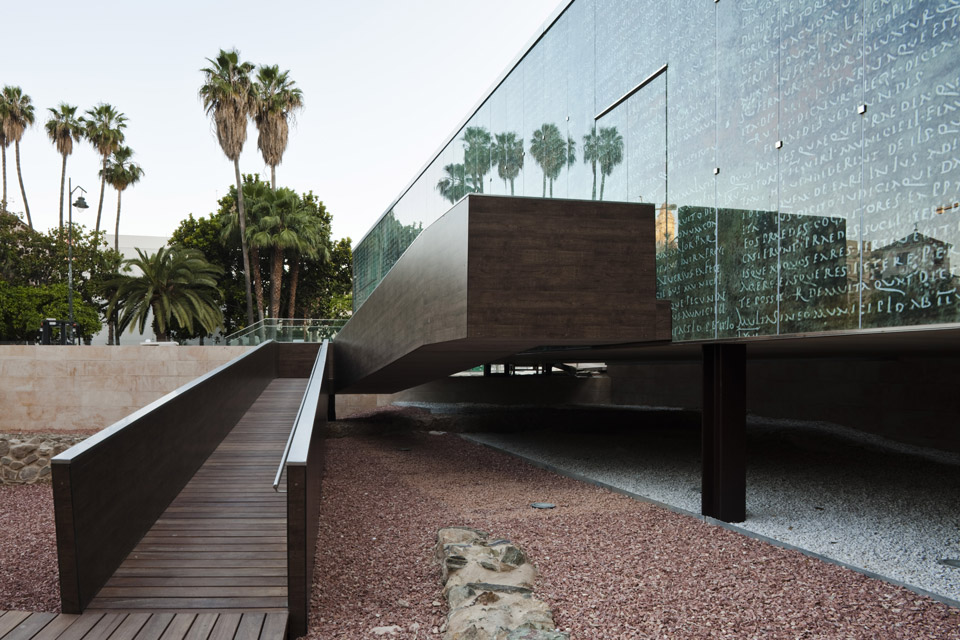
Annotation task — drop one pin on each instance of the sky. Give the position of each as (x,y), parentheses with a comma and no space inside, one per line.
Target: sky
(384,82)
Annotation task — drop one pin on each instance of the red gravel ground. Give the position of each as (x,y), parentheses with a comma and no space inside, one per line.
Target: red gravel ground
(611,567)
(29,580)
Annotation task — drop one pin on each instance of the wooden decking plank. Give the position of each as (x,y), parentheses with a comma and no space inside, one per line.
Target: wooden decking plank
(10,621)
(179,626)
(105,626)
(131,626)
(226,626)
(200,571)
(275,626)
(30,626)
(193,591)
(57,626)
(155,626)
(202,626)
(187,603)
(202,581)
(250,626)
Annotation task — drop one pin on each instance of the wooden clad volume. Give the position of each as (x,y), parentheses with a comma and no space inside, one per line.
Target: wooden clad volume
(496,276)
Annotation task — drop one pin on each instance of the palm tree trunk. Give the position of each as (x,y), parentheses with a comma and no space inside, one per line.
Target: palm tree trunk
(3,151)
(103,185)
(294,277)
(551,187)
(273,177)
(594,180)
(276,265)
(511,186)
(116,233)
(26,207)
(544,184)
(63,184)
(243,240)
(603,178)
(257,280)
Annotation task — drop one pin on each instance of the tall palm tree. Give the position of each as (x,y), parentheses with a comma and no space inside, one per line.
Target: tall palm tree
(314,232)
(16,112)
(120,173)
(453,186)
(253,192)
(63,129)
(591,155)
(275,101)
(610,153)
(552,153)
(104,129)
(507,152)
(4,143)
(476,155)
(280,215)
(178,285)
(227,95)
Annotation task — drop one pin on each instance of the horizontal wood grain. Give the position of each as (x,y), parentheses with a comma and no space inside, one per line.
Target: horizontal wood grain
(144,625)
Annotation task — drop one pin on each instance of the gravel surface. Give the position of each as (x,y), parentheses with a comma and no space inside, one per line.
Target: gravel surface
(886,508)
(29,580)
(611,567)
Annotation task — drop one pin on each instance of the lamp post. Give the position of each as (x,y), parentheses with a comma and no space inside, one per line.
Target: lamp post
(79,204)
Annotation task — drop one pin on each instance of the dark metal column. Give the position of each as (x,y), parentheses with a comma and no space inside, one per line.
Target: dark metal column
(724,485)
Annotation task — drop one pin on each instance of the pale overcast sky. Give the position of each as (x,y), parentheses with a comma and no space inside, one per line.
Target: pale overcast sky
(384,82)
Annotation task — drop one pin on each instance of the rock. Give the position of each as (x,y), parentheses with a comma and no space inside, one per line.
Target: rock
(30,459)
(29,474)
(45,452)
(385,631)
(44,472)
(16,465)
(4,447)
(512,555)
(5,461)
(43,462)
(9,474)
(21,451)
(403,603)
(537,634)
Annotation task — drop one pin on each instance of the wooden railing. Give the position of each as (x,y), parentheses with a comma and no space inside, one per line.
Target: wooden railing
(110,489)
(303,465)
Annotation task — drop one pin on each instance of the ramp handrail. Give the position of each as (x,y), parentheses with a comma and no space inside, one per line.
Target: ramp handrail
(312,392)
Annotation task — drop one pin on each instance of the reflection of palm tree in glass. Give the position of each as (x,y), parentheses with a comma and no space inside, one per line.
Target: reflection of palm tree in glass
(508,154)
(552,153)
(610,153)
(453,185)
(476,155)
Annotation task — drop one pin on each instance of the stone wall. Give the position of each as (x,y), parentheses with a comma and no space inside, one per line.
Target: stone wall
(47,389)
(25,457)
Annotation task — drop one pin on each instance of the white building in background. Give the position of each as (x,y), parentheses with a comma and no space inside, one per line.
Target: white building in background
(128,246)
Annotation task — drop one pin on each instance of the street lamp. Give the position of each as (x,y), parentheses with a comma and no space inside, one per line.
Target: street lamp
(79,204)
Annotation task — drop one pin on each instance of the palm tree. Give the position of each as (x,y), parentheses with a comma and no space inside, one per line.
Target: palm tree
(275,100)
(104,129)
(4,143)
(120,173)
(507,152)
(16,112)
(227,96)
(178,285)
(610,154)
(63,129)
(453,186)
(313,231)
(280,214)
(552,153)
(253,192)
(476,155)
(591,154)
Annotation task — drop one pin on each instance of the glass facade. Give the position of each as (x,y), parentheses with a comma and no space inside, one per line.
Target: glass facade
(803,157)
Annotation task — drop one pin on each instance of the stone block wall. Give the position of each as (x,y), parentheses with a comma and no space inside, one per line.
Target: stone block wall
(25,458)
(46,389)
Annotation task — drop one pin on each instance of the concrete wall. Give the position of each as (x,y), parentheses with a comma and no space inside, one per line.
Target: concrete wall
(54,388)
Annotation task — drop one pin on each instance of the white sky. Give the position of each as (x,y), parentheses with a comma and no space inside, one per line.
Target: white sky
(384,82)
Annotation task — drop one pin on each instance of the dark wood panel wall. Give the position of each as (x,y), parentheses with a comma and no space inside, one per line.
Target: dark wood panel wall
(295,359)
(110,489)
(304,474)
(496,276)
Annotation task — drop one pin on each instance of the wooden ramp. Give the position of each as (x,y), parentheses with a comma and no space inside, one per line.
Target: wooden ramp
(220,547)
(23,625)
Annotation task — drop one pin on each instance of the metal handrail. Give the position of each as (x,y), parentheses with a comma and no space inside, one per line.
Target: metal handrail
(321,363)
(274,328)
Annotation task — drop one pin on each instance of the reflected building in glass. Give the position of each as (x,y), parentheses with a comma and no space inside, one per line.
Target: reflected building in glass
(803,158)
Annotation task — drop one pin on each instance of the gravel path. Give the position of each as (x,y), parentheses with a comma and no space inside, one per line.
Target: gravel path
(29,580)
(888,509)
(611,567)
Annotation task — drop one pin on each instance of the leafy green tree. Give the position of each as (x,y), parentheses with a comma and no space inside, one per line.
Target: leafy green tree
(326,289)
(16,114)
(453,185)
(313,227)
(476,155)
(507,153)
(552,153)
(227,95)
(104,129)
(63,128)
(120,172)
(254,189)
(276,99)
(204,235)
(178,285)
(23,309)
